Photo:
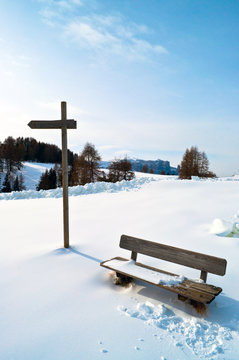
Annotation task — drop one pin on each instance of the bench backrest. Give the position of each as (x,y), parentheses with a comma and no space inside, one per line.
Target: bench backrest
(205,263)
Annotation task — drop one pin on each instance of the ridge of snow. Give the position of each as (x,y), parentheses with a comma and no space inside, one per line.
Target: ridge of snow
(91,188)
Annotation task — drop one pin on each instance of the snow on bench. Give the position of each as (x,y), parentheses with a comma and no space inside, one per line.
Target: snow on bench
(186,289)
(151,276)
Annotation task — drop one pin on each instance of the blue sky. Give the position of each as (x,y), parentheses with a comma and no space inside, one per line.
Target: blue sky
(142,78)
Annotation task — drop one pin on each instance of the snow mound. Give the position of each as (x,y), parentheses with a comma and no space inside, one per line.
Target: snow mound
(92,188)
(204,338)
(225,228)
(221,227)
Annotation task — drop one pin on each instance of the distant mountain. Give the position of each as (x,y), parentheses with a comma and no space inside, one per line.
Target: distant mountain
(156,165)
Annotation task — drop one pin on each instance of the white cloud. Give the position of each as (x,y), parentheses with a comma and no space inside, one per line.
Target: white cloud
(110,34)
(86,35)
(105,34)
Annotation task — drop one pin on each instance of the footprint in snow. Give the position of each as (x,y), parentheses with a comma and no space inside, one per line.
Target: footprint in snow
(104,351)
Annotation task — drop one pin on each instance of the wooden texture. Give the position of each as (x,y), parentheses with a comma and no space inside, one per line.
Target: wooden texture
(184,257)
(200,292)
(52,124)
(203,275)
(62,124)
(65,176)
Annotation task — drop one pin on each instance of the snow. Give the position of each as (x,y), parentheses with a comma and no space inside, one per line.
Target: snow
(60,304)
(32,172)
(226,228)
(206,339)
(92,188)
(130,268)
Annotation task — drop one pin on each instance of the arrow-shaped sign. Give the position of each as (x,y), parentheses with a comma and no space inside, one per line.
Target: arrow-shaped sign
(52,124)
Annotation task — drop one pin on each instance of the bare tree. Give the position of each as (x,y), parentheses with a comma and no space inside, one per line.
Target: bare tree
(120,170)
(85,168)
(194,163)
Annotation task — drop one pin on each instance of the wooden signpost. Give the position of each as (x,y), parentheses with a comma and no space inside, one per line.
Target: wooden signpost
(62,124)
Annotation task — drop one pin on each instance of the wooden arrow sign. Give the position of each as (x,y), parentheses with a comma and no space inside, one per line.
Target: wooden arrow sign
(52,124)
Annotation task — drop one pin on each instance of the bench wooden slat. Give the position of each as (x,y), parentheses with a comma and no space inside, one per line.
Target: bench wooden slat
(184,289)
(176,255)
(211,289)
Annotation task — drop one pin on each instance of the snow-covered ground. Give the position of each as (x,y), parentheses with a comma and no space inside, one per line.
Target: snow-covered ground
(59,303)
(32,172)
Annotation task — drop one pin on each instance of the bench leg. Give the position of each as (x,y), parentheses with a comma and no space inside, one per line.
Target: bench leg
(198,306)
(122,279)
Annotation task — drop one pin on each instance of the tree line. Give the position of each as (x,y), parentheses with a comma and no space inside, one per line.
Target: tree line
(85,169)
(14,151)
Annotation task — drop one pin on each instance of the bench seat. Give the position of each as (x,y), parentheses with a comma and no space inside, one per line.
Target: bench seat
(186,288)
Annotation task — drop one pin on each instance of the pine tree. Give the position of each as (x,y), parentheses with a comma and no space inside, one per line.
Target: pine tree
(52,179)
(6,188)
(21,183)
(47,180)
(43,182)
(145,169)
(58,171)
(16,186)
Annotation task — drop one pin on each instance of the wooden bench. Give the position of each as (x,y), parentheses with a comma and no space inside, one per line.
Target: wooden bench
(196,291)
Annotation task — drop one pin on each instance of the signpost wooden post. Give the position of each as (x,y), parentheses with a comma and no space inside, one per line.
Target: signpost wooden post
(62,124)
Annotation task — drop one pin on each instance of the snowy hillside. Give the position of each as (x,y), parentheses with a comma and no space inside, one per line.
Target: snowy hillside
(60,304)
(32,173)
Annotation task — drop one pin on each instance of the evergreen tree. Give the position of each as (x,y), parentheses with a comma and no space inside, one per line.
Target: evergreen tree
(43,182)
(16,186)
(1,158)
(145,169)
(58,171)
(10,155)
(47,180)
(6,188)
(52,179)
(21,183)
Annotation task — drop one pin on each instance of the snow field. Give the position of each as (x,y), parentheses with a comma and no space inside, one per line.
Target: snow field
(60,304)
